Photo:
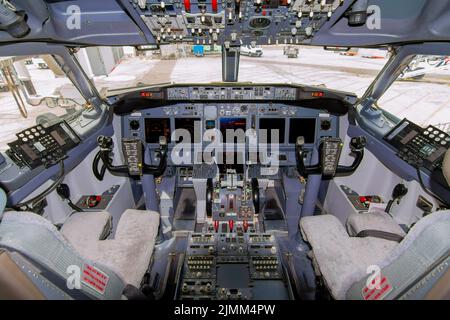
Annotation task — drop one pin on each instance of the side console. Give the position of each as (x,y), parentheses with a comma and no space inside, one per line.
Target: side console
(420,147)
(41,145)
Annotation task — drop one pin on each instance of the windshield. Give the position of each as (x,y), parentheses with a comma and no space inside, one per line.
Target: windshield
(124,67)
(34,90)
(421,93)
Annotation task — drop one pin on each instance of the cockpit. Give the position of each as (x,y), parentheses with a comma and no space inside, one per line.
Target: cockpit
(231,189)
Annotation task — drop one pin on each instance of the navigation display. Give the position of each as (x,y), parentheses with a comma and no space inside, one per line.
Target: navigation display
(269,124)
(302,127)
(189,124)
(232,124)
(155,128)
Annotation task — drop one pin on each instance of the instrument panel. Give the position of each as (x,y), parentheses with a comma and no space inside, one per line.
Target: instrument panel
(261,114)
(198,118)
(199,115)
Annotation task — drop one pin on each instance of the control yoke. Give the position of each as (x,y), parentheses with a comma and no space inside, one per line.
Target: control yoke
(329,154)
(133,151)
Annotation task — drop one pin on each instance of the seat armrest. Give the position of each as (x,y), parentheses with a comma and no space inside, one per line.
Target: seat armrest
(380,234)
(375,220)
(14,284)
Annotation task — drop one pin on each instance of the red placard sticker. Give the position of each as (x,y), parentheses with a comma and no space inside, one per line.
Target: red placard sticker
(373,291)
(95,278)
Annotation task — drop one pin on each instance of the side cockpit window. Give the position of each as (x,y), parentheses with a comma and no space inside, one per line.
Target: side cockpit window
(34,90)
(421,93)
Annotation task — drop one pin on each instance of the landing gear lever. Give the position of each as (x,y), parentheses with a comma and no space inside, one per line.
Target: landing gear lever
(329,155)
(133,153)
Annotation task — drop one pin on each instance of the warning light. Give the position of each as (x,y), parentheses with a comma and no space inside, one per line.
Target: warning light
(146,94)
(318,94)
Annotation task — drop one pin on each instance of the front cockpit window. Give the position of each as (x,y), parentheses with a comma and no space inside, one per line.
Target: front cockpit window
(34,90)
(421,93)
(114,68)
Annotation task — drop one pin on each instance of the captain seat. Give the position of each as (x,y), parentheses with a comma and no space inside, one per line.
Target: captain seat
(81,241)
(409,264)
(128,253)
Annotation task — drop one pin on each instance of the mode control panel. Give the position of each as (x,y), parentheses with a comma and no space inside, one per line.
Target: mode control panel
(232,93)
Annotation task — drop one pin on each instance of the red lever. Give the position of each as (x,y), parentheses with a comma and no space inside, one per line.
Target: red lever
(214,5)
(245,225)
(231,224)
(187,5)
(216,226)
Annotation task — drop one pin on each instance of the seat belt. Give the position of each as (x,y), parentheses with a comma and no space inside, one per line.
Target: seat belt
(380,234)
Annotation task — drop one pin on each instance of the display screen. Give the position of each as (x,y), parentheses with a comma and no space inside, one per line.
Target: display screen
(403,134)
(190,125)
(29,152)
(233,124)
(58,138)
(302,127)
(156,127)
(270,124)
(210,124)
